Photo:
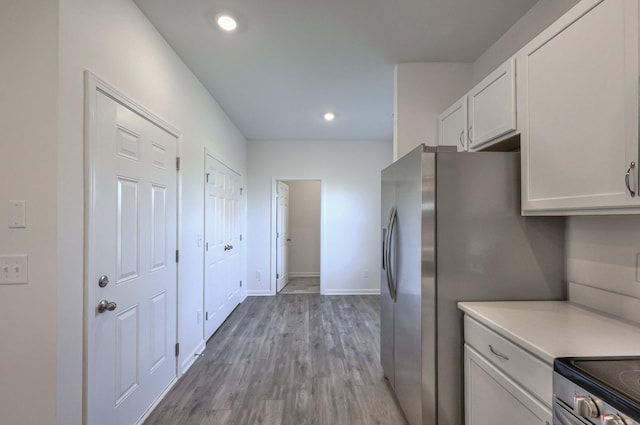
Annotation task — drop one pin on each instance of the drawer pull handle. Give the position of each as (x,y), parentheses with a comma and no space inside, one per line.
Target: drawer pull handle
(498,353)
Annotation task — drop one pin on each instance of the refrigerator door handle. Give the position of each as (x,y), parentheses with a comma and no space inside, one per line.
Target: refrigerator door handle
(391,228)
(384,249)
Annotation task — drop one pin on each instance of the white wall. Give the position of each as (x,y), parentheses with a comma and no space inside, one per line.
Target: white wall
(603,252)
(422,92)
(304,227)
(539,17)
(350,175)
(28,171)
(114,40)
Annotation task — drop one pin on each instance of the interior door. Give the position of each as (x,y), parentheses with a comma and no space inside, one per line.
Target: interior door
(282,236)
(222,246)
(131,324)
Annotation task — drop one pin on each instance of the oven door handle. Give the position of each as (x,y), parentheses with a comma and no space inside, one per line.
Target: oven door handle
(562,416)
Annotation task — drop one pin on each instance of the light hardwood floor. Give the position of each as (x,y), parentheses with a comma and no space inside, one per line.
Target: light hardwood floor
(293,360)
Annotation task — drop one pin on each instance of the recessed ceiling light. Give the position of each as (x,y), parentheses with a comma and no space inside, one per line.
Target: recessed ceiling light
(329,116)
(226,22)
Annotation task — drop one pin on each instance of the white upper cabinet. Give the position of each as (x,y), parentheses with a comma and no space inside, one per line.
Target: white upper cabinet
(452,126)
(578,112)
(492,107)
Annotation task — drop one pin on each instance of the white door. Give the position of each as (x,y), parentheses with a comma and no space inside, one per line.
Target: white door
(132,242)
(282,236)
(222,243)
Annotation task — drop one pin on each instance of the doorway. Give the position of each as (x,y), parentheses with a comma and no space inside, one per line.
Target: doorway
(298,230)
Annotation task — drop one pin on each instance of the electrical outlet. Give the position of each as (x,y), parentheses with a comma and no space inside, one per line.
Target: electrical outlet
(13,269)
(258,275)
(366,274)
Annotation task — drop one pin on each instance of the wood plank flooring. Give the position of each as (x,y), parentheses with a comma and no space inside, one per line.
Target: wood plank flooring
(288,360)
(302,285)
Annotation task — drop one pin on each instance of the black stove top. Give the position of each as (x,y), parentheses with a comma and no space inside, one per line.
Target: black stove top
(615,380)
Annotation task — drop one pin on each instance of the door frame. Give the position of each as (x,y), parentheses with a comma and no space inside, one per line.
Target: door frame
(274,209)
(94,84)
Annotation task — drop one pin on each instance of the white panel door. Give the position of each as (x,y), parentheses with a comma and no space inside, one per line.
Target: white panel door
(282,236)
(452,126)
(132,241)
(222,246)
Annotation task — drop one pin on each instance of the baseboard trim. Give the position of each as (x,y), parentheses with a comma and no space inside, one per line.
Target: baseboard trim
(259,293)
(304,274)
(351,292)
(192,357)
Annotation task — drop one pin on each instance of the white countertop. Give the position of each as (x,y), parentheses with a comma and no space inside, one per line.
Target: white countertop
(550,329)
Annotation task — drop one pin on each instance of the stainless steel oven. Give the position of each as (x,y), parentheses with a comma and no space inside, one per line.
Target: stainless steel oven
(596,391)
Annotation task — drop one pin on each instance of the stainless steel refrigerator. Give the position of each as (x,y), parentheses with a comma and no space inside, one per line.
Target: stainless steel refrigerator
(452,231)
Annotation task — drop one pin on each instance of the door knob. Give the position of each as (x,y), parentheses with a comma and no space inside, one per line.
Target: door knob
(103,281)
(105,305)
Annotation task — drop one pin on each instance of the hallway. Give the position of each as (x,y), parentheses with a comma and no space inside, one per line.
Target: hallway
(294,359)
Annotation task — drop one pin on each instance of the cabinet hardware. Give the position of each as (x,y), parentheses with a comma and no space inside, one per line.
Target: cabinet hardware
(498,353)
(626,179)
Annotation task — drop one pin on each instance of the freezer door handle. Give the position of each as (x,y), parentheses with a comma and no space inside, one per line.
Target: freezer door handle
(388,262)
(384,249)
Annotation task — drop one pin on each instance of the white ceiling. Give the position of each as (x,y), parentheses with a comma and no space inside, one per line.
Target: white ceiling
(293,60)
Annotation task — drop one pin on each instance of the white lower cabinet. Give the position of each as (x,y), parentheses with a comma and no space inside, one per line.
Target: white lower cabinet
(492,398)
(493,393)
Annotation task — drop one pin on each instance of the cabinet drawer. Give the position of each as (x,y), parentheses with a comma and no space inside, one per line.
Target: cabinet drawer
(523,367)
(493,398)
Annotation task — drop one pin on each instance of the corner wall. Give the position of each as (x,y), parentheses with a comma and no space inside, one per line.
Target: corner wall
(114,40)
(28,171)
(350,175)
(422,92)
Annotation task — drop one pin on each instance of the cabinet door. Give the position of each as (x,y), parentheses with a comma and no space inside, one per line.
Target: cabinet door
(578,111)
(452,126)
(492,107)
(491,398)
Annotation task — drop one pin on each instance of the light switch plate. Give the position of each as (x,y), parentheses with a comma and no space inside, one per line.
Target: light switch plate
(13,269)
(17,215)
